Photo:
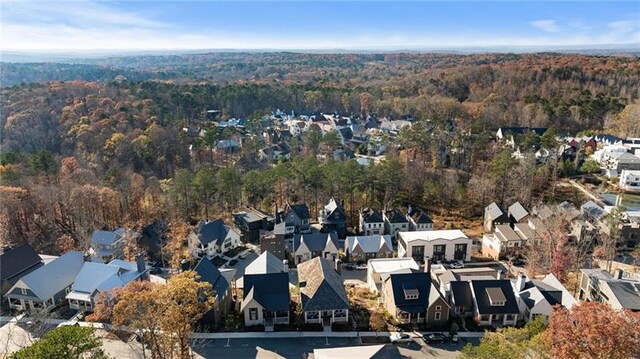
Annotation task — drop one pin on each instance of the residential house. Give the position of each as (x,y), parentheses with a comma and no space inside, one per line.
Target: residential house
(411,298)
(266,299)
(296,218)
(363,248)
(228,146)
(322,293)
(620,290)
(437,245)
(250,222)
(107,245)
(530,236)
(275,152)
(212,238)
(446,277)
(333,218)
(379,268)
(538,297)
(502,243)
(371,222)
(395,222)
(274,245)
(15,263)
(307,246)
(345,134)
(608,140)
(266,263)
(418,219)
(620,160)
(495,303)
(517,213)
(629,181)
(493,215)
(221,283)
(47,286)
(95,278)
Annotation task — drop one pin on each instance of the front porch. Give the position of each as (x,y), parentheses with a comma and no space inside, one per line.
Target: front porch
(332,316)
(410,318)
(271,318)
(497,320)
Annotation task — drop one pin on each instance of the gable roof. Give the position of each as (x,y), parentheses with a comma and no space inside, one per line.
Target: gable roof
(369,244)
(301,210)
(92,275)
(626,293)
(493,211)
(517,211)
(370,215)
(461,292)
(107,237)
(323,289)
(48,280)
(267,262)
(480,289)
(212,231)
(17,260)
(209,273)
(315,242)
(395,216)
(419,216)
(506,233)
(270,290)
(419,281)
(333,212)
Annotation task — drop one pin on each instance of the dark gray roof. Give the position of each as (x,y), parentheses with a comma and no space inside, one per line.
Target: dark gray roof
(316,242)
(323,286)
(271,290)
(419,281)
(346,133)
(627,293)
(370,215)
(209,273)
(301,210)
(483,304)
(18,260)
(395,216)
(461,292)
(213,231)
(419,216)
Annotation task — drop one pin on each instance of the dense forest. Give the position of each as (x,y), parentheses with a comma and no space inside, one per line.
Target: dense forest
(101,144)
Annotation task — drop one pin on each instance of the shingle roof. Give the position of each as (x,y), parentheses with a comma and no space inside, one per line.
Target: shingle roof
(420,216)
(370,215)
(627,294)
(461,292)
(324,288)
(316,242)
(506,233)
(517,211)
(333,212)
(270,290)
(301,210)
(17,260)
(265,263)
(483,304)
(209,273)
(419,281)
(395,216)
(55,276)
(369,244)
(212,231)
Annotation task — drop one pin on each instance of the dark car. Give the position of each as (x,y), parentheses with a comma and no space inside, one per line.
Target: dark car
(517,262)
(435,338)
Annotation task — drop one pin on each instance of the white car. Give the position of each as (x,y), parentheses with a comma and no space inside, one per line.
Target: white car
(457,265)
(398,338)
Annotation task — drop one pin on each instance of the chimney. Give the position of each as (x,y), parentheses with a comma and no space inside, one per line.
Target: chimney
(498,274)
(427,265)
(520,281)
(285,265)
(140,265)
(275,214)
(618,274)
(410,210)
(338,265)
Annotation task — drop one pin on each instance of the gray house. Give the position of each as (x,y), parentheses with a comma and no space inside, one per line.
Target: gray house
(16,263)
(322,293)
(394,222)
(296,218)
(48,285)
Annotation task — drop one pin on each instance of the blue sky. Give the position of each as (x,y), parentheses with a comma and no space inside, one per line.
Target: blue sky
(184,25)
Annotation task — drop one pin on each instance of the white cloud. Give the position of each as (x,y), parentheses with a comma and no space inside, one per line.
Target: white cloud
(546,25)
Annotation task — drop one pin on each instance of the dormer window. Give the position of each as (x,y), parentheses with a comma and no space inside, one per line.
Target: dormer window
(496,297)
(410,291)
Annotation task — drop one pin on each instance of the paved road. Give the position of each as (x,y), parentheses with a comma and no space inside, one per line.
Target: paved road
(298,348)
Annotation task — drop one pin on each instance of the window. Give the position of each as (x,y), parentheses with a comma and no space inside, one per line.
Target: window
(253,314)
(437,316)
(438,307)
(23,291)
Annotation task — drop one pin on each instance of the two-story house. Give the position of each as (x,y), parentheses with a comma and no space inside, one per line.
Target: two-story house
(221,283)
(411,298)
(418,219)
(620,290)
(15,263)
(108,245)
(395,222)
(494,302)
(47,286)
(377,269)
(251,221)
(363,248)
(296,219)
(502,243)
(322,295)
(307,246)
(371,222)
(539,296)
(436,245)
(517,213)
(266,299)
(333,218)
(493,215)
(212,238)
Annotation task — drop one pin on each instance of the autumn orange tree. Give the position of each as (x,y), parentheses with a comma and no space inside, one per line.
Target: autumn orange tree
(593,330)
(165,315)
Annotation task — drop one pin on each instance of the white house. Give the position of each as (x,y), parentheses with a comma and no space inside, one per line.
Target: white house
(440,245)
(629,181)
(377,268)
(212,238)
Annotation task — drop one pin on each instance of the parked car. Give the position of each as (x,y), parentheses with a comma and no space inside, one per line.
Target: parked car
(348,266)
(518,262)
(362,266)
(232,262)
(456,265)
(398,338)
(435,338)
